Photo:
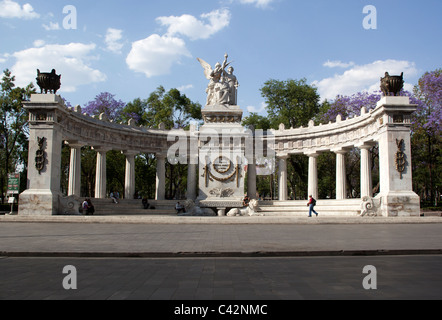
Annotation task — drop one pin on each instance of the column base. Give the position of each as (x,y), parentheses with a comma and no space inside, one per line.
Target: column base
(399,204)
(39,203)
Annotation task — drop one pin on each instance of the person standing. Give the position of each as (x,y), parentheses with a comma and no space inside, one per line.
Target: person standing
(311,204)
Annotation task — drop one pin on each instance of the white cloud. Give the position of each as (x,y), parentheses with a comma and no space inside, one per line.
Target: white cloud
(11,9)
(363,78)
(258,3)
(185,87)
(156,54)
(52,26)
(338,64)
(112,40)
(187,25)
(39,43)
(253,109)
(71,61)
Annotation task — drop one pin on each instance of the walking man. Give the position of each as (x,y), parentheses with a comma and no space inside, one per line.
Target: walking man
(311,204)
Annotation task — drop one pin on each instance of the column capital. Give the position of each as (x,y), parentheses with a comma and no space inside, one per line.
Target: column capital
(75,144)
(101,149)
(161,156)
(129,153)
(312,154)
(284,156)
(340,151)
(365,145)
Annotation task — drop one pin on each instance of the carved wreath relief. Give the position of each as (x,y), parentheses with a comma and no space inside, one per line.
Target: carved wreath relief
(222,166)
(400,157)
(40,157)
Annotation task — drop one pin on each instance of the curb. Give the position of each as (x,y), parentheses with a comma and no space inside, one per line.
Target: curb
(189,255)
(219,220)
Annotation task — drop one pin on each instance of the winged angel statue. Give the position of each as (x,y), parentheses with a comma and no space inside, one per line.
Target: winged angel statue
(223,86)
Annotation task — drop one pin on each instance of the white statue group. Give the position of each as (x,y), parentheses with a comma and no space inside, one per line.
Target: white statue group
(223,86)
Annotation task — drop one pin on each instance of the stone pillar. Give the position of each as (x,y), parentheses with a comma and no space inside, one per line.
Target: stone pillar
(251,179)
(129,181)
(100,176)
(192,178)
(366,180)
(161,177)
(45,144)
(313,175)
(282,177)
(341,179)
(75,170)
(396,189)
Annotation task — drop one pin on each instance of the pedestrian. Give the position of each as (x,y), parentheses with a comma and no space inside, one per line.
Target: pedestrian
(311,204)
(145,202)
(113,196)
(179,208)
(246,200)
(90,208)
(84,207)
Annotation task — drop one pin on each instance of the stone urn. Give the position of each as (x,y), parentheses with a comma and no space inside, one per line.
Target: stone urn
(392,84)
(48,82)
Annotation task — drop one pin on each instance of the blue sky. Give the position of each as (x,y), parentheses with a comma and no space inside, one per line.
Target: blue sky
(129,48)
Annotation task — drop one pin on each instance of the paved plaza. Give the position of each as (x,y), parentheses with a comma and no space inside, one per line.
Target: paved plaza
(304,259)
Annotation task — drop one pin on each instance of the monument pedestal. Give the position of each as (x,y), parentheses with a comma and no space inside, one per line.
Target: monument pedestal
(222,159)
(396,189)
(44,163)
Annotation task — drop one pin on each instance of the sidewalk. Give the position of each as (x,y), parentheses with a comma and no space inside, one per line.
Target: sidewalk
(171,236)
(173,219)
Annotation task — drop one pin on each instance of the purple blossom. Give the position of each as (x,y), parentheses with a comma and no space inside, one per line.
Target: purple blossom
(105,103)
(429,92)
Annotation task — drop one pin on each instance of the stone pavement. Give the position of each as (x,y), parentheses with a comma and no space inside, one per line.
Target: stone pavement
(182,258)
(183,236)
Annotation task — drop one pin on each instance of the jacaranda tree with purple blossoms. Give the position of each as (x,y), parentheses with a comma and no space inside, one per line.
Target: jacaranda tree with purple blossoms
(105,103)
(426,137)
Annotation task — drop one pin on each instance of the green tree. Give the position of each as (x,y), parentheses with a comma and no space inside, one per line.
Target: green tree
(13,128)
(293,102)
(173,109)
(257,121)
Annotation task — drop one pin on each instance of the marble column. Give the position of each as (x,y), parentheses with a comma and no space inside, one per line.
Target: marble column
(341,179)
(100,176)
(313,175)
(129,181)
(74,188)
(282,177)
(251,179)
(192,178)
(161,177)
(366,180)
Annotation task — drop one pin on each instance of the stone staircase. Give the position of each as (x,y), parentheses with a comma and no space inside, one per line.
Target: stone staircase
(106,207)
(348,207)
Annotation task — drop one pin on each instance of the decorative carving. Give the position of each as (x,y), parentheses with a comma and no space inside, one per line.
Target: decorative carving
(208,175)
(392,84)
(251,210)
(400,157)
(69,206)
(193,210)
(222,193)
(223,86)
(48,82)
(222,165)
(369,208)
(40,156)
